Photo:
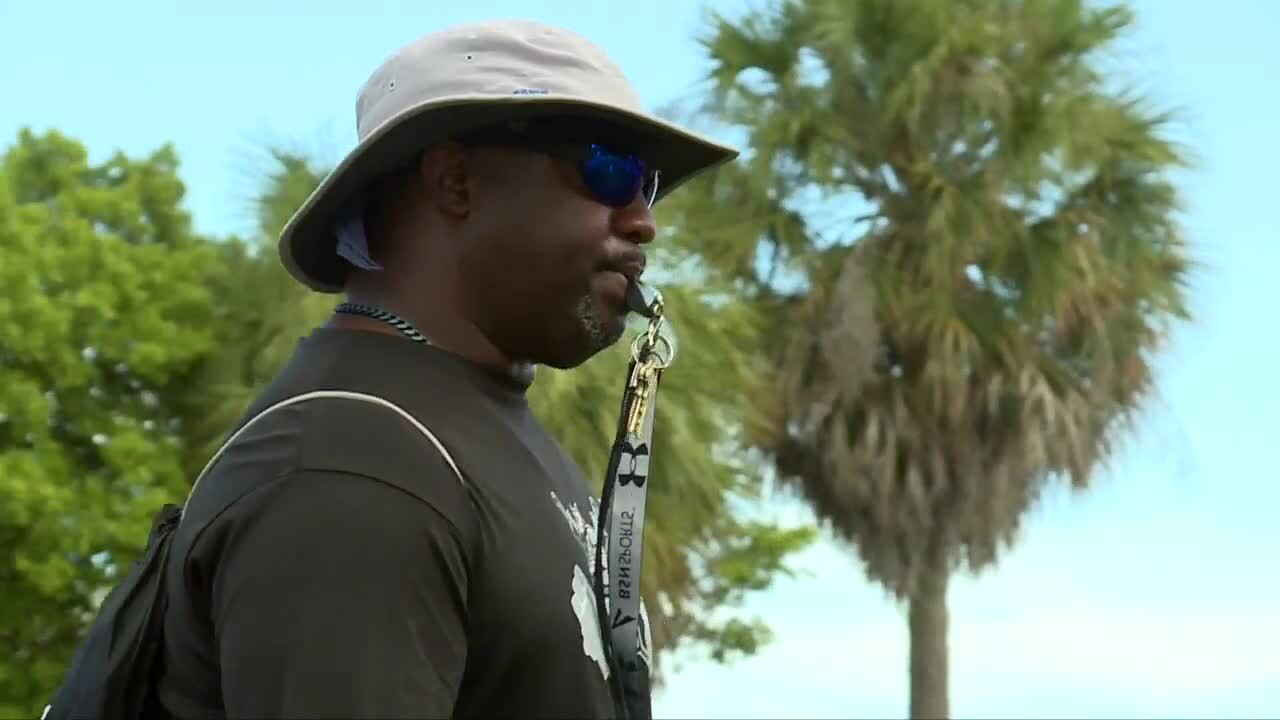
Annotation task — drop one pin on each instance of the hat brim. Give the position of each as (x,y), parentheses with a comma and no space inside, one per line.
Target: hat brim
(308,244)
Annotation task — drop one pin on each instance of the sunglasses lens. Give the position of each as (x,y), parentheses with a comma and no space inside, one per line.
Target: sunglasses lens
(615,179)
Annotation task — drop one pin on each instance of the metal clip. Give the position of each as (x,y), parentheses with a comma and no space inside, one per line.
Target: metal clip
(652,351)
(642,386)
(651,346)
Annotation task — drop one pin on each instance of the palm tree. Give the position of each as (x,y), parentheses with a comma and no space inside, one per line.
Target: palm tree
(701,554)
(985,324)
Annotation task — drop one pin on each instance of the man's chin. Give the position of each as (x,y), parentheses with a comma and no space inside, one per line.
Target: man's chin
(600,325)
(593,339)
(612,330)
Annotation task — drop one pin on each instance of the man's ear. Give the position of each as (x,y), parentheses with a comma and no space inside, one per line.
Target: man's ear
(445,172)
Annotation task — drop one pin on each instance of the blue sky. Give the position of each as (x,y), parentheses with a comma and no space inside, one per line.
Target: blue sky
(1148,597)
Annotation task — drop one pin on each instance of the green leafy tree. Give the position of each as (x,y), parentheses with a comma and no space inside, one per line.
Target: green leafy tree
(104,317)
(964,235)
(703,554)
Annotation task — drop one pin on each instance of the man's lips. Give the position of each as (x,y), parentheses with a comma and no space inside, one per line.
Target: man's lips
(630,264)
(615,283)
(619,270)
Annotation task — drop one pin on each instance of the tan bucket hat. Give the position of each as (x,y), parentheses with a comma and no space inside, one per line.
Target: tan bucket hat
(465,78)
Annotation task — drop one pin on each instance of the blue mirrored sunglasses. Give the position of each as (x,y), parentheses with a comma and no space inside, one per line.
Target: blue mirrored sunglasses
(613,178)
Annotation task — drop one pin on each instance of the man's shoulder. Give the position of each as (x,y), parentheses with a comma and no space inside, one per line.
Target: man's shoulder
(367,434)
(334,432)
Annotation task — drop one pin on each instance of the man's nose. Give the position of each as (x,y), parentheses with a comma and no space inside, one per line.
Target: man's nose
(635,223)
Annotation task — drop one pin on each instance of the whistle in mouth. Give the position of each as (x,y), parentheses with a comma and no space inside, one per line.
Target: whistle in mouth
(640,299)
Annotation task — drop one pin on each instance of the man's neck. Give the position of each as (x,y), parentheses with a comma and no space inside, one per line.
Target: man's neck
(445,330)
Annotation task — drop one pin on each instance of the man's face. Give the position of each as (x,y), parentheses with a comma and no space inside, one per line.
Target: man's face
(548,261)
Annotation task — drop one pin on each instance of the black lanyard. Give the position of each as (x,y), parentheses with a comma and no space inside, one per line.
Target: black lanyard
(622,505)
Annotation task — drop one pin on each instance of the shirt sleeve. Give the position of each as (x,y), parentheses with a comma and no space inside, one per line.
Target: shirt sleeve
(338,595)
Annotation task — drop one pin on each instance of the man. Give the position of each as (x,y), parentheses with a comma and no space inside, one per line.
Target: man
(337,563)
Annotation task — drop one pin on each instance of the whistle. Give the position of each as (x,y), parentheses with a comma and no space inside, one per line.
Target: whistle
(640,299)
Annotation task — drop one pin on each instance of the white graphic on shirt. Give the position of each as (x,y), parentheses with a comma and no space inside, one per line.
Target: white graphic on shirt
(584,606)
(583,598)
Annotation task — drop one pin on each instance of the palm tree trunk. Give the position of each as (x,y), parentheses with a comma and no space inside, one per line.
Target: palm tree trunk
(927,623)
